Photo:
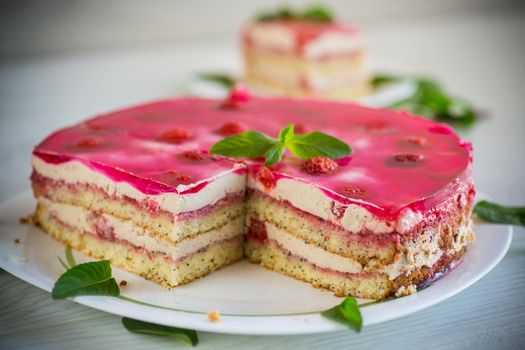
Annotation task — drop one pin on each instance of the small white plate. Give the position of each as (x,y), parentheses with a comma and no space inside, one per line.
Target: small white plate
(250,299)
(383,97)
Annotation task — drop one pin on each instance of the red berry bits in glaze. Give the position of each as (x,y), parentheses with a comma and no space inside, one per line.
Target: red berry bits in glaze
(407,158)
(175,136)
(196,154)
(354,191)
(89,143)
(319,166)
(404,160)
(265,176)
(230,128)
(440,129)
(416,141)
(238,95)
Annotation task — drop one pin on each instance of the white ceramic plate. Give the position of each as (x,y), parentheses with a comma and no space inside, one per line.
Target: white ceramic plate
(250,299)
(383,97)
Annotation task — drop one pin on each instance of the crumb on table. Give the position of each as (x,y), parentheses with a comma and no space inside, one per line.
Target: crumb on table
(26,219)
(123,283)
(213,316)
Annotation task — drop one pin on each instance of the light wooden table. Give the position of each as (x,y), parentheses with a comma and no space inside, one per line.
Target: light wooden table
(479,54)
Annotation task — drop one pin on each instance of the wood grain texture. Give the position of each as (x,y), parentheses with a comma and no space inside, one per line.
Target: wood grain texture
(477,53)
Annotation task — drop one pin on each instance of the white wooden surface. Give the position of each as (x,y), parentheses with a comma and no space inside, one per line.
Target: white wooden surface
(479,54)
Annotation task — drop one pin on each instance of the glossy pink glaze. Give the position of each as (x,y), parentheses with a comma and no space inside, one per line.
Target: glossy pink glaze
(127,145)
(303,32)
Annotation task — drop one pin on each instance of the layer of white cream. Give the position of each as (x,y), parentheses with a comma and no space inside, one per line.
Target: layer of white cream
(87,222)
(279,37)
(352,217)
(424,251)
(76,172)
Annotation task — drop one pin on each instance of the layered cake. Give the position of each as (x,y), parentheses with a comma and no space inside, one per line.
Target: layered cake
(139,187)
(299,57)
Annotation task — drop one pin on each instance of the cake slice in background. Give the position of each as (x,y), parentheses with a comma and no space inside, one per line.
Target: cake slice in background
(304,55)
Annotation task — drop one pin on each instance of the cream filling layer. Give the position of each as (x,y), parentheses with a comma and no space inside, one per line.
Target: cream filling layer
(313,200)
(74,172)
(424,251)
(88,222)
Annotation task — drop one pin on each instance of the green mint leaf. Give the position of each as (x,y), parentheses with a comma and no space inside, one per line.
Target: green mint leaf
(250,144)
(431,100)
(92,278)
(70,257)
(185,336)
(317,14)
(281,13)
(379,80)
(317,144)
(286,133)
(346,313)
(313,13)
(500,214)
(223,79)
(274,154)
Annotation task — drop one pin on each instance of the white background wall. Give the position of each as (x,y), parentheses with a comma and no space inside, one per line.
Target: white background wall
(29,27)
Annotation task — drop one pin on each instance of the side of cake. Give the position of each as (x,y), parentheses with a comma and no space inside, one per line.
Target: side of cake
(301,58)
(139,187)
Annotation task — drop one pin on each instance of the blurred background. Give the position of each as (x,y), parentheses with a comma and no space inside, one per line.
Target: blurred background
(44,27)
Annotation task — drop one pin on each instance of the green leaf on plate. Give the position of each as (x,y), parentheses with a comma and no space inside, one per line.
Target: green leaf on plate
(185,336)
(430,100)
(500,214)
(92,278)
(347,313)
(70,257)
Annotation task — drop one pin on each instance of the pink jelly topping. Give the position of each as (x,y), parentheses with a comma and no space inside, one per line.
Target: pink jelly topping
(398,160)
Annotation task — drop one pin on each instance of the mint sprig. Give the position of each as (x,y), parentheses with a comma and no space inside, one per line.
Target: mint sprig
(253,144)
(223,79)
(314,13)
(500,214)
(92,278)
(431,100)
(185,336)
(346,313)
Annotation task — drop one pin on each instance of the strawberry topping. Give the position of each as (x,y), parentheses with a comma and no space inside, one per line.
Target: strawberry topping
(89,143)
(265,176)
(175,136)
(319,166)
(230,128)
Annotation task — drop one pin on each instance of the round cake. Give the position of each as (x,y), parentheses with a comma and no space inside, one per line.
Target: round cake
(139,187)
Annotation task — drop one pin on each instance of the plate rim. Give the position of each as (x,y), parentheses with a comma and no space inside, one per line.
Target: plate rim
(115,306)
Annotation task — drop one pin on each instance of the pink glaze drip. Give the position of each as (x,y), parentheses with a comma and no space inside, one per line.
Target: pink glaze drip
(128,148)
(304,32)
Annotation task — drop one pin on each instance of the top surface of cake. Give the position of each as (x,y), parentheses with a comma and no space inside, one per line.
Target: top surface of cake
(398,160)
(302,36)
